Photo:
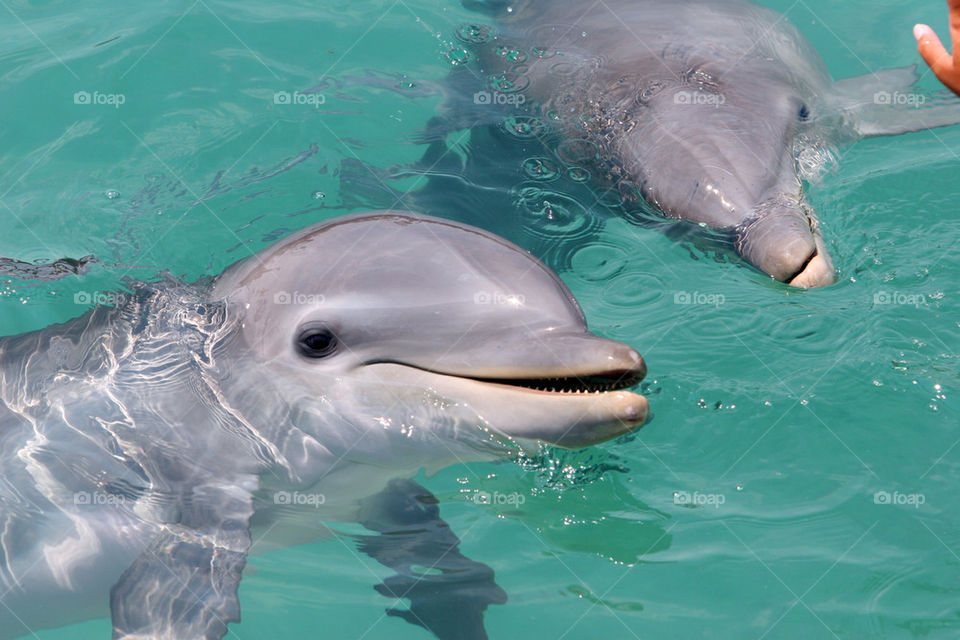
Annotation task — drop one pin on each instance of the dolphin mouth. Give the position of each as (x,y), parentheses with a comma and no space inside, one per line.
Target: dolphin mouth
(818,270)
(561,406)
(803,267)
(595,383)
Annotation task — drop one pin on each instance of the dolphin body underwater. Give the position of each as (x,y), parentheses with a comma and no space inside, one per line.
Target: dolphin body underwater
(146,447)
(710,112)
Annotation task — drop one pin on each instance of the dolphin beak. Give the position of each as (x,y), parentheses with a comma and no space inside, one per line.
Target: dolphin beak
(819,271)
(565,390)
(786,243)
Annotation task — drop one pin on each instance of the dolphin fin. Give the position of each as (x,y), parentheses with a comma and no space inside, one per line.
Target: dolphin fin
(885,103)
(448,592)
(184,585)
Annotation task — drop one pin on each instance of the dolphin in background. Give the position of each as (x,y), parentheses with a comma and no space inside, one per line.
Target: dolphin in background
(146,448)
(712,112)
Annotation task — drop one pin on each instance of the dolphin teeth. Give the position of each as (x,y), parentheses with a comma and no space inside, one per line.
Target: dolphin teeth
(588,384)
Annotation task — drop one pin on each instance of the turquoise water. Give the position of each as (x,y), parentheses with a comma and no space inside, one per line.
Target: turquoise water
(781,413)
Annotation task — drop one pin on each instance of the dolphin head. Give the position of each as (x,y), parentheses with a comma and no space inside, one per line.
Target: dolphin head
(400,326)
(715,145)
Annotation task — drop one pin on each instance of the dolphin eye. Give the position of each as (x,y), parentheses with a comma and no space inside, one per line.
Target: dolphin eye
(317,341)
(804,113)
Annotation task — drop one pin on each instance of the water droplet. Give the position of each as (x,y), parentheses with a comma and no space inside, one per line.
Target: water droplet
(473,33)
(458,56)
(318,195)
(509,82)
(551,215)
(540,168)
(511,54)
(524,126)
(112,194)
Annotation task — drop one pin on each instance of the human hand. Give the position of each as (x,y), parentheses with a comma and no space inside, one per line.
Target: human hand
(946,66)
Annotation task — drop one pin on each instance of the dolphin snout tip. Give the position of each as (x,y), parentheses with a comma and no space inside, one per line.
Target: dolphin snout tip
(787,245)
(818,272)
(634,409)
(629,361)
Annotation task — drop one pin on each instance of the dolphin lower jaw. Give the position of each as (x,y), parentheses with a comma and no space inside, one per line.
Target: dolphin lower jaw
(785,242)
(557,411)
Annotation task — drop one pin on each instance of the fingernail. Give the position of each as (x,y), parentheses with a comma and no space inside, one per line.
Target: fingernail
(920,30)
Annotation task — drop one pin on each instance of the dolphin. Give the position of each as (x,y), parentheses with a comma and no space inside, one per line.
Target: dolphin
(146,448)
(709,112)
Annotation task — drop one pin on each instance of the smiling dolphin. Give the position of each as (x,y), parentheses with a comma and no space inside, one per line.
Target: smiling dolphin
(140,445)
(710,111)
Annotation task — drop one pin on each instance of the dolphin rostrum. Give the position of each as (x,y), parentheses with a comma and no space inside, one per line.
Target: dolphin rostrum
(148,447)
(709,111)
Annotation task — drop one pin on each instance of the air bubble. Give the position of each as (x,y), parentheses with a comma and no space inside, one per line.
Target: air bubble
(112,194)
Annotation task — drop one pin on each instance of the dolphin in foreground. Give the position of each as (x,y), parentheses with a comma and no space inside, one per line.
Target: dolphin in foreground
(710,111)
(147,448)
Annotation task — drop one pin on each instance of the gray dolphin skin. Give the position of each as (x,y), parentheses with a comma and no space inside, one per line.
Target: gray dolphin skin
(147,448)
(707,110)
